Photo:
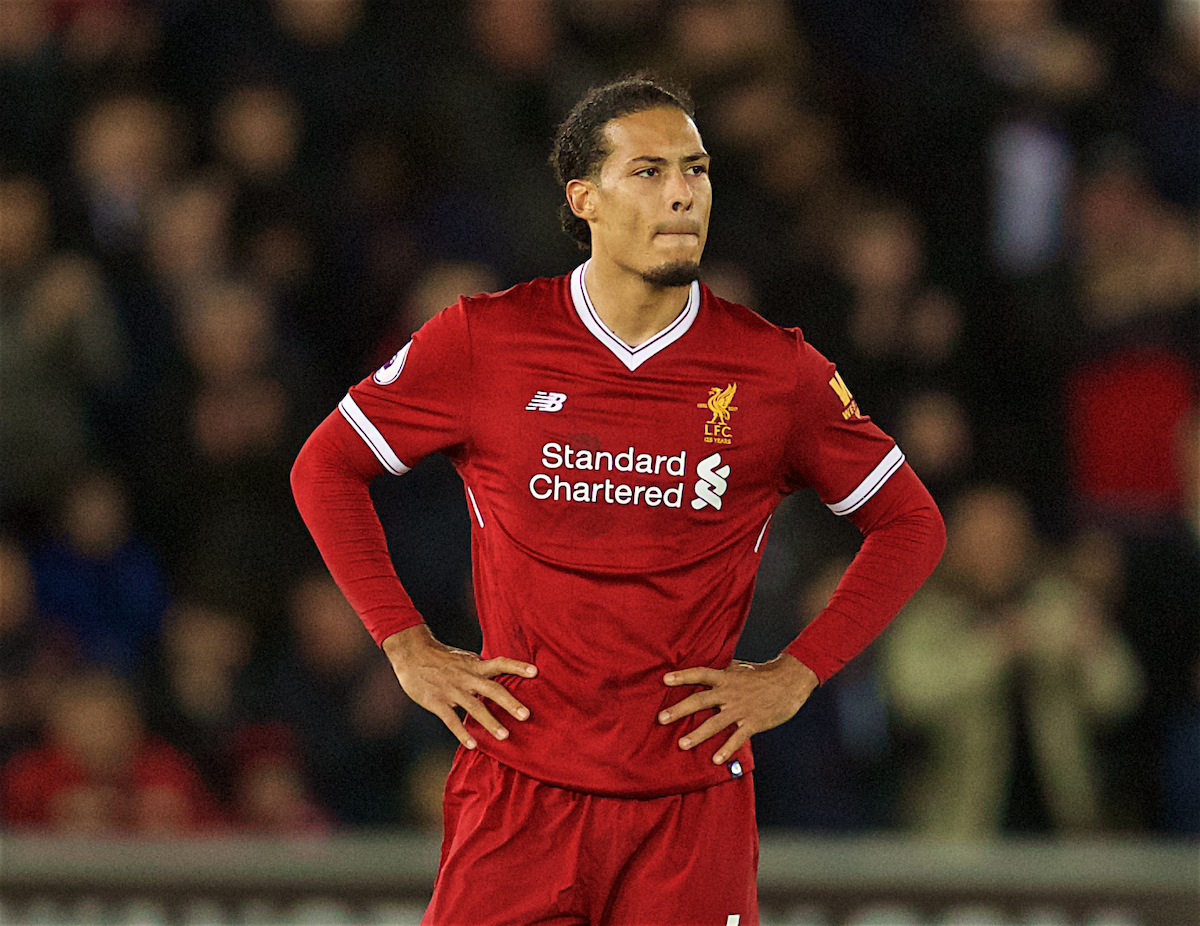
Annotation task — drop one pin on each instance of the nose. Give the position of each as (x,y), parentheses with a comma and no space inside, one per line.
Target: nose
(680,192)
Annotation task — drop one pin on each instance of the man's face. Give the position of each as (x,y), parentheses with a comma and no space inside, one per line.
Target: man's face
(649,208)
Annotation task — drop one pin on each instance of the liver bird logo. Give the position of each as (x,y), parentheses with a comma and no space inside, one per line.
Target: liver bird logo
(719,403)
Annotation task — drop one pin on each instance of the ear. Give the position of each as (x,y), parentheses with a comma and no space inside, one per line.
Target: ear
(581,197)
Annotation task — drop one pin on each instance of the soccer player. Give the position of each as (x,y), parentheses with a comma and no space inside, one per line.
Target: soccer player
(624,437)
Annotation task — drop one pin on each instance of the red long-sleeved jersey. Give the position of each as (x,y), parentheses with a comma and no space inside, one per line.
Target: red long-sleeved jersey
(620,500)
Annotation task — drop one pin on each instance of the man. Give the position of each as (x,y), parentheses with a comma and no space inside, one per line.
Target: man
(624,437)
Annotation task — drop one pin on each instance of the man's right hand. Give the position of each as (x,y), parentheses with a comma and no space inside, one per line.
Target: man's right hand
(441,678)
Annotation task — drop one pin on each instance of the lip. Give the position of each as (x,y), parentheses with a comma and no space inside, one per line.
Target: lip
(678,234)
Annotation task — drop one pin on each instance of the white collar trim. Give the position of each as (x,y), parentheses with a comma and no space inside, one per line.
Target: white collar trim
(632,357)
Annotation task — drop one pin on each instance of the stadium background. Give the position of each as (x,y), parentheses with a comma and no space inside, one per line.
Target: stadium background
(214,217)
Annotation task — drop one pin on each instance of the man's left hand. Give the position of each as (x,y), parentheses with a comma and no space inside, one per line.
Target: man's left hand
(751,696)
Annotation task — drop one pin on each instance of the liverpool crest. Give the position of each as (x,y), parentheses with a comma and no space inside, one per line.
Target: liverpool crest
(720,405)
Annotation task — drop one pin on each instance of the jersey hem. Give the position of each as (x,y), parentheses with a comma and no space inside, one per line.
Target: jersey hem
(743,758)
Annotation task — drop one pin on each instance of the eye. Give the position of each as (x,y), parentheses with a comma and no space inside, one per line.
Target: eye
(698,169)
(647,172)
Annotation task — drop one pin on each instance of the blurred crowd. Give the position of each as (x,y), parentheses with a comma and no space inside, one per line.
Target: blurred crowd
(215,217)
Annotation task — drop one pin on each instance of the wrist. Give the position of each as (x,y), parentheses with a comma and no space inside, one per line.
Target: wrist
(400,646)
(805,680)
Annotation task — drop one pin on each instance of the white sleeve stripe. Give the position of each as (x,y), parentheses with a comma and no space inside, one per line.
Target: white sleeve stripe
(371,437)
(872,484)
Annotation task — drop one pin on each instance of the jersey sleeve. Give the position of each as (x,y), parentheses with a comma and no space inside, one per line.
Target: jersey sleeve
(418,402)
(833,447)
(331,481)
(860,472)
(904,537)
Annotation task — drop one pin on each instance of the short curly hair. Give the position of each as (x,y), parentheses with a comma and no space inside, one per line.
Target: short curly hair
(579,144)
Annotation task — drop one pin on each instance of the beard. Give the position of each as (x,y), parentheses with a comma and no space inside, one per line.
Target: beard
(667,276)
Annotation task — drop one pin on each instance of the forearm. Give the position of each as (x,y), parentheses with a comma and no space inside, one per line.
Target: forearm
(904,539)
(331,484)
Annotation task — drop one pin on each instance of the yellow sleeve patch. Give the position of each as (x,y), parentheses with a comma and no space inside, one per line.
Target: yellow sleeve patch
(849,405)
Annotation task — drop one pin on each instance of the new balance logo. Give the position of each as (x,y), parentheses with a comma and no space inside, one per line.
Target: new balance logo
(546,402)
(712,482)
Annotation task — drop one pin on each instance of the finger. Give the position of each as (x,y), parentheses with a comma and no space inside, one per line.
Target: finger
(475,708)
(450,719)
(502,665)
(496,692)
(689,705)
(710,727)
(731,745)
(701,675)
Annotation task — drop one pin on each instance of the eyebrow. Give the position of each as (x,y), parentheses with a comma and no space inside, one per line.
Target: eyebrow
(687,159)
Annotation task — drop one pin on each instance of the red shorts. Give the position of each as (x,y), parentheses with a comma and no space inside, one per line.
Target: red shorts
(519,851)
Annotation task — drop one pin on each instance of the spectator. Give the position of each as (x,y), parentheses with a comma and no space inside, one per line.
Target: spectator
(1135,255)
(97,772)
(197,691)
(935,431)
(271,797)
(1003,671)
(217,456)
(127,147)
(187,245)
(256,132)
(55,315)
(356,731)
(188,236)
(1137,277)
(256,129)
(98,580)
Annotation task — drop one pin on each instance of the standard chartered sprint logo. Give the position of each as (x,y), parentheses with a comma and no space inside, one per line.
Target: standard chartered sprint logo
(712,482)
(568,478)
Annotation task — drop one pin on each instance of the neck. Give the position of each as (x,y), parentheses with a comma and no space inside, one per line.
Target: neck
(633,309)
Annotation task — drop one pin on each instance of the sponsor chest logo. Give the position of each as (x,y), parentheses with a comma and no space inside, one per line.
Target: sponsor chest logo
(712,481)
(570,474)
(720,406)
